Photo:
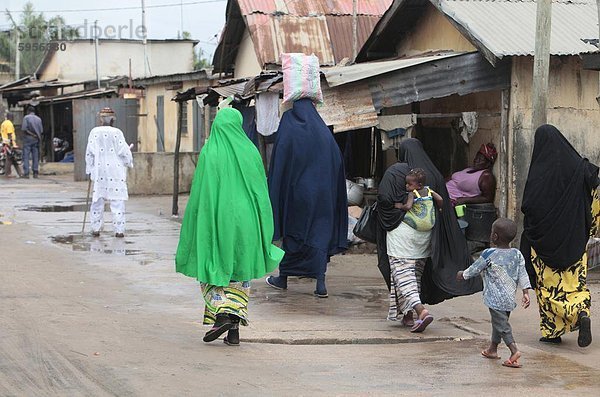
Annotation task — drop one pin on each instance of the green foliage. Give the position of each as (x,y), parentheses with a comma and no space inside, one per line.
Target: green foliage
(34,32)
(200,59)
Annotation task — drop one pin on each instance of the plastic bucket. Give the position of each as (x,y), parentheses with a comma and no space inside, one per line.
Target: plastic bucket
(480,218)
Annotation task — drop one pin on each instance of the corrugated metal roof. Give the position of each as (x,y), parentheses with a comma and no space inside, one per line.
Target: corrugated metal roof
(228,90)
(346,74)
(508,27)
(275,35)
(328,37)
(348,108)
(462,75)
(322,27)
(313,7)
(340,31)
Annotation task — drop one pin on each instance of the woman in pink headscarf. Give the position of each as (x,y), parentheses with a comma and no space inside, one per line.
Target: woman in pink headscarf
(477,184)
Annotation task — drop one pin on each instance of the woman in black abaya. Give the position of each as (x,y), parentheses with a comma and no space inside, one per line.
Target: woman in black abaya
(561,209)
(449,247)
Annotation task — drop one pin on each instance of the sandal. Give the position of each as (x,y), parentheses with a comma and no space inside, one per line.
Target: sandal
(222,325)
(487,354)
(420,325)
(513,362)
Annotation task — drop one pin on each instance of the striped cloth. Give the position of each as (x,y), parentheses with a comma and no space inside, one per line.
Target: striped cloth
(232,299)
(406,285)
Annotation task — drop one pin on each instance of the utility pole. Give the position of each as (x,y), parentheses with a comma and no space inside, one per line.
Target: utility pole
(144,39)
(181,19)
(96,52)
(354,30)
(541,63)
(17,55)
(17,42)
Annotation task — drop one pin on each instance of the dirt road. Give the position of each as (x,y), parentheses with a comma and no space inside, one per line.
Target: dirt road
(93,317)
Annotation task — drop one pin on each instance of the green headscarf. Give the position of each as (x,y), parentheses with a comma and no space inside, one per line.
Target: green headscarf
(227,229)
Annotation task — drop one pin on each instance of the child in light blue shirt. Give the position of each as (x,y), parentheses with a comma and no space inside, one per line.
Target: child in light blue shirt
(502,269)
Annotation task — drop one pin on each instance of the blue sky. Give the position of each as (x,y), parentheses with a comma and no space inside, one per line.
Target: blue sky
(203,20)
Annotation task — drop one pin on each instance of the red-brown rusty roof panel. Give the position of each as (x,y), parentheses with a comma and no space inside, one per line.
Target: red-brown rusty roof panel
(340,31)
(282,34)
(313,7)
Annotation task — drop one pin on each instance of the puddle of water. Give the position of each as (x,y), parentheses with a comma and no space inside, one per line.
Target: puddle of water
(81,244)
(90,247)
(56,208)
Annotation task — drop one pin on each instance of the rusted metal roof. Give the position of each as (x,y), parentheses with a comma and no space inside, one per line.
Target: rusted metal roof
(95,93)
(511,31)
(328,37)
(460,75)
(313,7)
(348,108)
(322,27)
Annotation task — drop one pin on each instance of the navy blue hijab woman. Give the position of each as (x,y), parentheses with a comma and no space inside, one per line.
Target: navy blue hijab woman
(307,187)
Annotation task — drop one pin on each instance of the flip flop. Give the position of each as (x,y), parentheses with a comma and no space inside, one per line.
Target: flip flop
(215,332)
(485,354)
(420,325)
(511,364)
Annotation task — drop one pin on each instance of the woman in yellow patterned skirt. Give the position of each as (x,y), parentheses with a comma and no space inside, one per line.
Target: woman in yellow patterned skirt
(561,209)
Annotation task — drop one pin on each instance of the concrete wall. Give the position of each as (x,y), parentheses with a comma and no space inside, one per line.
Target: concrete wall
(572,108)
(77,63)
(246,61)
(433,32)
(153,173)
(147,130)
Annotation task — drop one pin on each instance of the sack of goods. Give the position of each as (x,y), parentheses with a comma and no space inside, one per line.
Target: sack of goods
(301,77)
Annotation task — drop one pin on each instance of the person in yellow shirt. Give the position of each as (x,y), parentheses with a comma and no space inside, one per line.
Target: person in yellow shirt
(9,143)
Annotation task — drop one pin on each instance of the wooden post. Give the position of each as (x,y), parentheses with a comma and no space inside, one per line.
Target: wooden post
(262,149)
(598,7)
(175,211)
(52,130)
(207,121)
(354,31)
(504,155)
(541,63)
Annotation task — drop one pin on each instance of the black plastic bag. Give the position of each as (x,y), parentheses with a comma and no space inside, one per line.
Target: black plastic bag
(366,228)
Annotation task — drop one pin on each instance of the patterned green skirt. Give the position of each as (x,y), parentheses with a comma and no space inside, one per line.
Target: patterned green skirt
(232,299)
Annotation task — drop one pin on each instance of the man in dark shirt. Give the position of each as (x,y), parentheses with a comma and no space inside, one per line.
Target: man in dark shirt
(32,136)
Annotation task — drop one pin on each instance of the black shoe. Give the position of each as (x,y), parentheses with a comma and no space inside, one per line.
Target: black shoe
(35,175)
(222,325)
(119,235)
(585,330)
(321,291)
(277,282)
(95,234)
(26,176)
(233,336)
(554,341)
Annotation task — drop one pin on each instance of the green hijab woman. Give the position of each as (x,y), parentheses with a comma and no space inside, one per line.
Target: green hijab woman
(227,231)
